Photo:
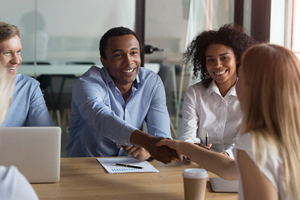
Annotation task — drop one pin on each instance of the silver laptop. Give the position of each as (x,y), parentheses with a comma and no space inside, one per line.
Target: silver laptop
(221,185)
(35,151)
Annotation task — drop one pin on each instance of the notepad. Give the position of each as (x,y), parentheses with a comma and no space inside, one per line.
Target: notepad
(109,165)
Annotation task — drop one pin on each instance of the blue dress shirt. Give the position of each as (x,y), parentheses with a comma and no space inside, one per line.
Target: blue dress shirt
(28,105)
(100,118)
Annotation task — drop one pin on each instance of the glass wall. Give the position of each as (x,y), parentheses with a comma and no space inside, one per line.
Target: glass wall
(60,31)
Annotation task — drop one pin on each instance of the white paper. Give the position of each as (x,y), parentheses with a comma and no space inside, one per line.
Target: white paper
(110,165)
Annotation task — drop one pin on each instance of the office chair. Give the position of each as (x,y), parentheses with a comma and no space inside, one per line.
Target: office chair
(47,89)
(167,75)
(80,63)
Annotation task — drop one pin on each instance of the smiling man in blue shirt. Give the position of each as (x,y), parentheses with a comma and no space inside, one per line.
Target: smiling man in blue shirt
(110,104)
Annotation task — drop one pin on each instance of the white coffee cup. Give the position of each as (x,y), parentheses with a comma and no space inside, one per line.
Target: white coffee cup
(194,182)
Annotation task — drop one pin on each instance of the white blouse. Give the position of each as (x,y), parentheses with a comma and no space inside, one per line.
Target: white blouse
(205,110)
(14,186)
(273,169)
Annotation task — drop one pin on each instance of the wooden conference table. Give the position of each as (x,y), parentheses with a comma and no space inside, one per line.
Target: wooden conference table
(85,178)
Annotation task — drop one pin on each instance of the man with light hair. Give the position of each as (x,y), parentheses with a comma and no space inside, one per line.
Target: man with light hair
(28,104)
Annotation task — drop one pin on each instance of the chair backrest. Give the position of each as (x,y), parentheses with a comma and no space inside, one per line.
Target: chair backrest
(80,63)
(38,63)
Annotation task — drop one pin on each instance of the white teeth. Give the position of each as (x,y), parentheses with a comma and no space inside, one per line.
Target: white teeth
(12,68)
(219,73)
(128,71)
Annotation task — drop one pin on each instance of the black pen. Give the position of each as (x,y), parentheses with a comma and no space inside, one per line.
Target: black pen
(132,166)
(206,138)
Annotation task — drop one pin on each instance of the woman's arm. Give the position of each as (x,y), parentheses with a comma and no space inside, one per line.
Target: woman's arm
(217,163)
(255,184)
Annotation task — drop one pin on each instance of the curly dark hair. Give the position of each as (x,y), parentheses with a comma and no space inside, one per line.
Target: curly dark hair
(117,31)
(229,35)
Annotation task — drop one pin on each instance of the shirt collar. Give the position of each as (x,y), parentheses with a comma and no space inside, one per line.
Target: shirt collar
(110,80)
(213,88)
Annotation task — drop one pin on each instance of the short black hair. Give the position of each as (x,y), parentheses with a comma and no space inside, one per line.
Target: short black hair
(117,31)
(230,35)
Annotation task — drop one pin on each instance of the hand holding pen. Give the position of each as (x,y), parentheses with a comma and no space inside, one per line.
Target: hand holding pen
(207,145)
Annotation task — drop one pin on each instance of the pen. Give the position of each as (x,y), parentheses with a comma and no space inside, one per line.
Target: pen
(132,166)
(206,138)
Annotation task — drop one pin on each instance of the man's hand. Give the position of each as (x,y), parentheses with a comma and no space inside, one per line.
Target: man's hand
(136,152)
(147,141)
(162,153)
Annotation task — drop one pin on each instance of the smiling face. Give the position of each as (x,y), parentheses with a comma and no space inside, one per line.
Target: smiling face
(122,60)
(221,65)
(10,54)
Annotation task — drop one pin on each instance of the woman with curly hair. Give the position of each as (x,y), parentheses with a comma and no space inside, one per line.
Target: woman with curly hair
(211,107)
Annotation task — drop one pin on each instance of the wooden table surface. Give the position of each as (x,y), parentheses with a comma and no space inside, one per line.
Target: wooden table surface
(85,178)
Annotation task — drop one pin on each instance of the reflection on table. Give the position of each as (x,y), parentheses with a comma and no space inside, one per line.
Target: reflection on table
(77,70)
(85,178)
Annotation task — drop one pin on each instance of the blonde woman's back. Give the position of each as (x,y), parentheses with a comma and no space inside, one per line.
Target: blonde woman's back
(271,107)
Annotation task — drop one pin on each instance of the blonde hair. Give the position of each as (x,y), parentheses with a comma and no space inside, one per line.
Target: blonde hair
(272,108)
(6,89)
(8,31)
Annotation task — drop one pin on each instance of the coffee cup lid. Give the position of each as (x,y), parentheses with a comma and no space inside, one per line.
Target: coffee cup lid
(195,173)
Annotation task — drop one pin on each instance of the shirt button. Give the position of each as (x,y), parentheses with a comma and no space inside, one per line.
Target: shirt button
(118,94)
(125,110)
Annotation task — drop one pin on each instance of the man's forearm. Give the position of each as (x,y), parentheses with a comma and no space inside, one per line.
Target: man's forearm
(140,138)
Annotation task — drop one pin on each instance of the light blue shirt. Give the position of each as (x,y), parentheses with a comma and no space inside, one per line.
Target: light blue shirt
(28,105)
(100,118)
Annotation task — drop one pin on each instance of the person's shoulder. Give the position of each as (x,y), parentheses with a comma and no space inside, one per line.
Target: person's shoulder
(94,71)
(147,76)
(244,141)
(8,171)
(144,72)
(14,184)
(3,170)
(25,80)
(196,88)
(94,77)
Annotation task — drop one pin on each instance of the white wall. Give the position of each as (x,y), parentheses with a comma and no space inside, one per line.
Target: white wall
(277,22)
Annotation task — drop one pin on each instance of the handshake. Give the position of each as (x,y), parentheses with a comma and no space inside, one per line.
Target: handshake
(162,149)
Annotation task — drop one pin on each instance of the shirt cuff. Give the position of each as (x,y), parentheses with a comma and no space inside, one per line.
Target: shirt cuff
(124,136)
(230,153)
